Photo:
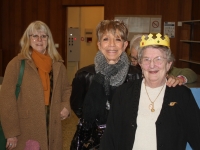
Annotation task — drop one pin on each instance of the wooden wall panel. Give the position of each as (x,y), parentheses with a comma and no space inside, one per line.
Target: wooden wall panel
(17,16)
(42,12)
(1,52)
(1,19)
(132,7)
(6,33)
(1,62)
(57,24)
(195,10)
(82,2)
(29,13)
(196,16)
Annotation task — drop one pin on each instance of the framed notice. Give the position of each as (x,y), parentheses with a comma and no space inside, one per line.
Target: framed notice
(142,24)
(169,29)
(155,25)
(139,24)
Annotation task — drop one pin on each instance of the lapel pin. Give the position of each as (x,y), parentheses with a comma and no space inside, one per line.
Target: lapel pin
(172,103)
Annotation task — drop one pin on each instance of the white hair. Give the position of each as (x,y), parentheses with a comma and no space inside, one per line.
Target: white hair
(135,41)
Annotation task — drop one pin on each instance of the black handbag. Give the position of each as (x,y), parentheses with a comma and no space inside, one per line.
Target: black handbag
(87,136)
(17,90)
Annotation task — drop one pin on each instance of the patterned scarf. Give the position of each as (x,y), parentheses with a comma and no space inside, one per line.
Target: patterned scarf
(44,65)
(114,73)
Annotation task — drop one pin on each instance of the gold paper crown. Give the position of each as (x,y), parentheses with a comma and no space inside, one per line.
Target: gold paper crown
(155,41)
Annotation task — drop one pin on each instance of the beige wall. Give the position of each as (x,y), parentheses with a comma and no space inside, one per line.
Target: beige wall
(84,18)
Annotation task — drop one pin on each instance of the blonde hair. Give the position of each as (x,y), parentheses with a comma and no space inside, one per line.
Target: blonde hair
(112,26)
(36,26)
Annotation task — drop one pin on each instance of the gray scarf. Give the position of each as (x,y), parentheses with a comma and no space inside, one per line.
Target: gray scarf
(115,73)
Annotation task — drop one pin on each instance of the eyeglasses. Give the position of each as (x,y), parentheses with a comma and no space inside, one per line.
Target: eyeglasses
(132,58)
(36,37)
(157,60)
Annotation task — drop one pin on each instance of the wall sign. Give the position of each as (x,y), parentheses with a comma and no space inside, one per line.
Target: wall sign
(142,24)
(155,25)
(169,29)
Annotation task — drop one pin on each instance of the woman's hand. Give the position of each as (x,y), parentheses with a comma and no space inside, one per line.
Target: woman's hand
(64,113)
(173,81)
(11,143)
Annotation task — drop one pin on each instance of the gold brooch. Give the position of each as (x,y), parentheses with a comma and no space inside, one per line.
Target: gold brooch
(172,103)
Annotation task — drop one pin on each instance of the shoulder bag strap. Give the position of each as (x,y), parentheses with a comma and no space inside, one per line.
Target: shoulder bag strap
(20,77)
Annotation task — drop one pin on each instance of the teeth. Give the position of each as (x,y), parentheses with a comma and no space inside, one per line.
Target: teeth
(153,71)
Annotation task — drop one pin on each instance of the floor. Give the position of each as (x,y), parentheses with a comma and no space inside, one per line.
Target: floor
(69,128)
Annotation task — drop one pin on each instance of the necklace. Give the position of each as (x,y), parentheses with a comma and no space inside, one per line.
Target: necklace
(108,105)
(151,106)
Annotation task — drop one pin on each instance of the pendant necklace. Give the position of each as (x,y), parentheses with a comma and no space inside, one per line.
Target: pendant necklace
(151,106)
(108,105)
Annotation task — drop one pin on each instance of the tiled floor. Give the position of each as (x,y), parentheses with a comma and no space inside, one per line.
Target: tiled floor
(69,128)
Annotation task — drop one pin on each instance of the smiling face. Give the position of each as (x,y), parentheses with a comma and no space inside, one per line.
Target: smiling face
(154,73)
(112,46)
(38,42)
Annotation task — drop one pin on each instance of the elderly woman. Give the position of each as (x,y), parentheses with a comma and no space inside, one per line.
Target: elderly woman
(182,75)
(35,117)
(146,114)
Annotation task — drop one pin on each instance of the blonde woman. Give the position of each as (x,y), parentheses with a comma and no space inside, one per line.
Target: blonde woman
(44,97)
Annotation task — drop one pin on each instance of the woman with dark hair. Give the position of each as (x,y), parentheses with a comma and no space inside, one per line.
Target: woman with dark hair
(94,85)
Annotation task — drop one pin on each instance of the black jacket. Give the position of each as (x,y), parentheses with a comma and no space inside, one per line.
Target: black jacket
(82,82)
(176,125)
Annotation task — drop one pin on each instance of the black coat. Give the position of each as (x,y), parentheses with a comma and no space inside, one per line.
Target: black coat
(176,125)
(82,81)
